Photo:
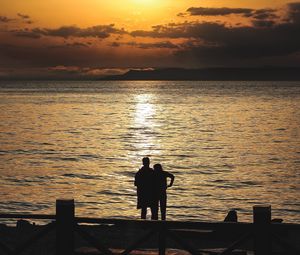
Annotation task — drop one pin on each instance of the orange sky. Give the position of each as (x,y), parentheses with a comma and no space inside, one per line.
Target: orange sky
(132,14)
(120,34)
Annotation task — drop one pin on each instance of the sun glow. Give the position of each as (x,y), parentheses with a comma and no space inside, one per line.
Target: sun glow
(146,2)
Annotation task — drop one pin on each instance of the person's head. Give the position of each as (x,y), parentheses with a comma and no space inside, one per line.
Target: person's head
(146,162)
(157,167)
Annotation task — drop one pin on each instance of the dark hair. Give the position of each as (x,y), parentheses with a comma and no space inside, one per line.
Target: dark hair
(146,161)
(157,167)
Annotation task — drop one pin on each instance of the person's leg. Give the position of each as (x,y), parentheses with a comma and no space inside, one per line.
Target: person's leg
(154,211)
(163,206)
(144,213)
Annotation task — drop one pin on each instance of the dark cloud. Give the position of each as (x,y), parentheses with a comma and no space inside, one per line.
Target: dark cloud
(203,11)
(23,16)
(210,41)
(172,30)
(157,45)
(294,12)
(209,30)
(26,18)
(153,45)
(181,14)
(73,71)
(115,44)
(263,23)
(246,44)
(264,17)
(4,19)
(70,45)
(259,14)
(39,55)
(100,31)
(267,40)
(66,69)
(263,14)
(60,72)
(26,33)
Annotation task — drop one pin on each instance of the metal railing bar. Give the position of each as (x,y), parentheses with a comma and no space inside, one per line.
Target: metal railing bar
(28,216)
(236,244)
(275,229)
(139,242)
(92,241)
(5,248)
(181,242)
(47,228)
(168,224)
(285,244)
(284,226)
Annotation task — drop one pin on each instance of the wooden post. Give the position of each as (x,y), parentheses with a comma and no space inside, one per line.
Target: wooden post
(65,213)
(262,237)
(162,240)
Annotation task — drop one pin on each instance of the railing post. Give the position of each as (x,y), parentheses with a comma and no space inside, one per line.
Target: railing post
(262,237)
(162,238)
(65,213)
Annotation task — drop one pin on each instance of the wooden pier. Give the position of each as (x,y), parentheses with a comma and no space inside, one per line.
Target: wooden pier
(262,234)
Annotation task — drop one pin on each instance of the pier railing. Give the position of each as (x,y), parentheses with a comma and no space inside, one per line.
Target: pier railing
(262,233)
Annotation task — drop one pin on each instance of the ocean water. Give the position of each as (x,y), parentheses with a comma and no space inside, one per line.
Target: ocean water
(229,145)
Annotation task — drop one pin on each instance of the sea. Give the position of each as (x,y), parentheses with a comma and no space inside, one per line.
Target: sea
(230,145)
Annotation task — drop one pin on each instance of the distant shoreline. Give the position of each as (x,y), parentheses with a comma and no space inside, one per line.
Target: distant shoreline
(212,74)
(181,74)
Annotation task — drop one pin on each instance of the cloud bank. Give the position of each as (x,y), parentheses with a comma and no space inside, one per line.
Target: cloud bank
(268,37)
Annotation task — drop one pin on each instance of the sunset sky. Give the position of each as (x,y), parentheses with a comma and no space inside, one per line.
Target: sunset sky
(87,38)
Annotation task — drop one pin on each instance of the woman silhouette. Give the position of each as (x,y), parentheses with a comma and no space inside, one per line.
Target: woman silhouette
(160,186)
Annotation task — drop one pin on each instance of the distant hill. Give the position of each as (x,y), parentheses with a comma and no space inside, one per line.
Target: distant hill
(212,74)
(179,74)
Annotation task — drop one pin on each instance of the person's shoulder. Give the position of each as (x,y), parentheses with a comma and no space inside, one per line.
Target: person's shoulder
(138,172)
(147,169)
(141,169)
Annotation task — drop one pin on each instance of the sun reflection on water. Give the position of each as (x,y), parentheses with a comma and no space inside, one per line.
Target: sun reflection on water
(144,125)
(144,110)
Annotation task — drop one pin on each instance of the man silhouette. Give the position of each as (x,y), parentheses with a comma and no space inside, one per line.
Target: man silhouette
(144,180)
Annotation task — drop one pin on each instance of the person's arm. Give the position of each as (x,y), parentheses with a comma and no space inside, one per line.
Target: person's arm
(172,177)
(136,179)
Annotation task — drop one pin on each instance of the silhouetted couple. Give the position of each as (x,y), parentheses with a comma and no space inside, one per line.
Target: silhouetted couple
(152,189)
